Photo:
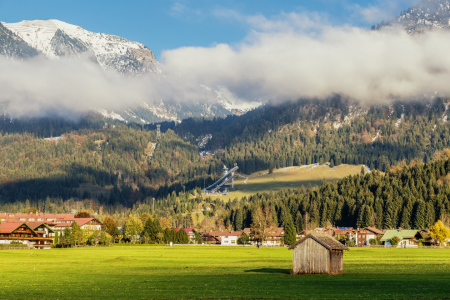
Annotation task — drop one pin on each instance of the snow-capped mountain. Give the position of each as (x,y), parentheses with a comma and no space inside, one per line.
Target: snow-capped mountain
(56,39)
(13,46)
(426,15)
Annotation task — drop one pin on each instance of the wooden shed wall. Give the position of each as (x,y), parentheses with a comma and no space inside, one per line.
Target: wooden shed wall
(337,261)
(311,257)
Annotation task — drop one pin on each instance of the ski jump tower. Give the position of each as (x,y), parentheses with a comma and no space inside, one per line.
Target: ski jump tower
(228,175)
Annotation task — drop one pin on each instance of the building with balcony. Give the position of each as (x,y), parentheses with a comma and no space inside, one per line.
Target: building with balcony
(35,234)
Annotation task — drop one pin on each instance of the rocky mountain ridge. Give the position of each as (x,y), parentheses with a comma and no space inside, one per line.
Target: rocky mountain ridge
(56,39)
(426,15)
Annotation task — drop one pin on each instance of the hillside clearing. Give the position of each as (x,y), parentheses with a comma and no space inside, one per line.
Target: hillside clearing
(288,178)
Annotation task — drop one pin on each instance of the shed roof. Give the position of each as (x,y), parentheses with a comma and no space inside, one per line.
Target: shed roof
(402,234)
(327,241)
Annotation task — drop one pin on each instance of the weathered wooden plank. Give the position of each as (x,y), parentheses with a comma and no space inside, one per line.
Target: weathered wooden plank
(311,257)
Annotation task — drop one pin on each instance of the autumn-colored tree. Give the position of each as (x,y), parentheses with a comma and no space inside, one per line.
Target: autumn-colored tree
(82,214)
(439,232)
(109,224)
(165,223)
(132,228)
(262,220)
(78,234)
(144,217)
(160,238)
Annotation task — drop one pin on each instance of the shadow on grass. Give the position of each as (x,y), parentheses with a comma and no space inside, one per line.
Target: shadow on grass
(270,271)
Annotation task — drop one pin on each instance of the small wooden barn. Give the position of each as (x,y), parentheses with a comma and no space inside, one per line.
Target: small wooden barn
(318,254)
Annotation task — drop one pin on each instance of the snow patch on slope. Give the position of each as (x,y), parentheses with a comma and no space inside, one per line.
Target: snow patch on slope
(111,115)
(38,34)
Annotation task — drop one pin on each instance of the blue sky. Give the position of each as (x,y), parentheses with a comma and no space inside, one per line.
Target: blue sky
(166,24)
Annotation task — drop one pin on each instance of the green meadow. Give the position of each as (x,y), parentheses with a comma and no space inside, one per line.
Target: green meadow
(288,178)
(150,272)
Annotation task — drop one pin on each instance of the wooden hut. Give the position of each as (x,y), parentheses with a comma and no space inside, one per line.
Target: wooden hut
(318,254)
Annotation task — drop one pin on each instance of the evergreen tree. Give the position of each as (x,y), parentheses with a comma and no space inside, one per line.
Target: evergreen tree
(239,220)
(290,233)
(406,215)
(419,218)
(182,236)
(430,215)
(299,222)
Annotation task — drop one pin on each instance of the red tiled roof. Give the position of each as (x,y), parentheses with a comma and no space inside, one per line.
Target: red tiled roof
(63,225)
(374,230)
(213,233)
(83,221)
(231,233)
(15,217)
(10,227)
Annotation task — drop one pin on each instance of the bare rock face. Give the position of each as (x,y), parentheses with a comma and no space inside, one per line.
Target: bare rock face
(13,46)
(144,56)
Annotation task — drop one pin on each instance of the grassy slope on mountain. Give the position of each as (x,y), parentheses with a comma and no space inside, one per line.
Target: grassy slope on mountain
(288,178)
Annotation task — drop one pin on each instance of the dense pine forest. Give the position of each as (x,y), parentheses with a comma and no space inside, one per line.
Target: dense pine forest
(116,169)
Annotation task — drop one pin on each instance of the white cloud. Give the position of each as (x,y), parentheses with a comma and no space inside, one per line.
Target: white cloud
(285,58)
(180,10)
(305,21)
(381,10)
(39,86)
(288,64)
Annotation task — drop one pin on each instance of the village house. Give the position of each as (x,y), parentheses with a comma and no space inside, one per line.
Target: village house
(362,236)
(229,238)
(407,237)
(87,224)
(34,217)
(37,235)
(423,236)
(274,236)
(317,254)
(212,237)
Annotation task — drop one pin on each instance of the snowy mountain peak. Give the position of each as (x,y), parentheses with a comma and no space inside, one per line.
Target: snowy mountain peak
(57,39)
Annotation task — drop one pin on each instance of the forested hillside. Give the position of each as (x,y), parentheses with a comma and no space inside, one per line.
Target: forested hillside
(413,196)
(126,163)
(335,131)
(117,168)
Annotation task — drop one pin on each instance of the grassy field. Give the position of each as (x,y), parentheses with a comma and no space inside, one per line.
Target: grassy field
(218,273)
(291,177)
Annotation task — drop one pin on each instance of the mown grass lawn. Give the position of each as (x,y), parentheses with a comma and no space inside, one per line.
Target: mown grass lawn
(218,273)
